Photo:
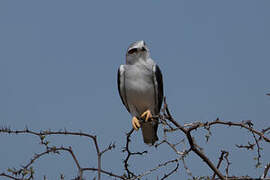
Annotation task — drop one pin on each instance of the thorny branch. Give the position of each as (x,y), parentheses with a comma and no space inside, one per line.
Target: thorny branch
(156,168)
(42,134)
(219,162)
(169,125)
(187,129)
(266,169)
(193,147)
(170,173)
(130,174)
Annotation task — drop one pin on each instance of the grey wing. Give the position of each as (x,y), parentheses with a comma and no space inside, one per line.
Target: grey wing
(158,87)
(121,85)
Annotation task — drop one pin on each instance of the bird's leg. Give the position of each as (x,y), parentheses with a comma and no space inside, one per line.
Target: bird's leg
(135,123)
(147,114)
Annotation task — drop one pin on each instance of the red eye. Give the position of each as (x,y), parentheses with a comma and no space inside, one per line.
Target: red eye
(143,49)
(131,51)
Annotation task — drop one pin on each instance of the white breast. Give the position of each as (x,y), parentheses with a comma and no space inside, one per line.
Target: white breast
(139,89)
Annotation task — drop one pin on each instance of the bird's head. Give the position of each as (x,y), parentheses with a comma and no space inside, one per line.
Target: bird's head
(137,51)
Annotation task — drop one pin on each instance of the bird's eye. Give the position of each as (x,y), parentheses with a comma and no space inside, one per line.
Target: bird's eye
(131,51)
(143,49)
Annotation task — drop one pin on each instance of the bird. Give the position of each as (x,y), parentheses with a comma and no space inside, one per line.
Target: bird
(140,86)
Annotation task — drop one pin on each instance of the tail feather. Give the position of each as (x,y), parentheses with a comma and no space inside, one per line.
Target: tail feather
(149,131)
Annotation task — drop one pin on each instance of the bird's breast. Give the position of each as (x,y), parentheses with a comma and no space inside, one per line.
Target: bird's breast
(139,90)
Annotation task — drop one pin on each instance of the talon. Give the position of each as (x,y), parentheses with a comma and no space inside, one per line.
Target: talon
(147,115)
(135,123)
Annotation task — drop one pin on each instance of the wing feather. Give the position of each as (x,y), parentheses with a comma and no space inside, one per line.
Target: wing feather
(121,85)
(158,85)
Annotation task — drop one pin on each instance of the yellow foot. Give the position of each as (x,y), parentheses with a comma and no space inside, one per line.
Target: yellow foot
(135,123)
(147,115)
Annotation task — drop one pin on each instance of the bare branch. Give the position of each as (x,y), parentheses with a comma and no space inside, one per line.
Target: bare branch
(229,123)
(170,173)
(130,174)
(228,164)
(219,162)
(104,172)
(191,142)
(266,169)
(156,168)
(178,147)
(248,147)
(10,177)
(53,149)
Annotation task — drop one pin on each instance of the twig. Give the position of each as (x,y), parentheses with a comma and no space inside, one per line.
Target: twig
(191,142)
(266,169)
(10,177)
(130,174)
(170,173)
(219,162)
(186,167)
(104,172)
(229,123)
(169,125)
(258,149)
(228,164)
(249,146)
(156,168)
(54,149)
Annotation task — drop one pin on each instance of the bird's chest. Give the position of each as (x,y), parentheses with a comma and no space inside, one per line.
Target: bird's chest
(139,89)
(139,82)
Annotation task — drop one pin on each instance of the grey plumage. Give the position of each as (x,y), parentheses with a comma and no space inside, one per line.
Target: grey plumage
(141,88)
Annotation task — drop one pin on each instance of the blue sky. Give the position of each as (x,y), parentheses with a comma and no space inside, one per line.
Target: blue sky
(59,60)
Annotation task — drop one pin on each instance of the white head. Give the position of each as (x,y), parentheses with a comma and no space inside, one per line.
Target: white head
(137,51)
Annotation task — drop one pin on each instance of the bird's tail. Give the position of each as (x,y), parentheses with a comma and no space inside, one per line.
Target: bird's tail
(149,131)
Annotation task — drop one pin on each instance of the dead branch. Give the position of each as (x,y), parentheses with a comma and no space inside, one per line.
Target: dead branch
(42,134)
(187,132)
(169,125)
